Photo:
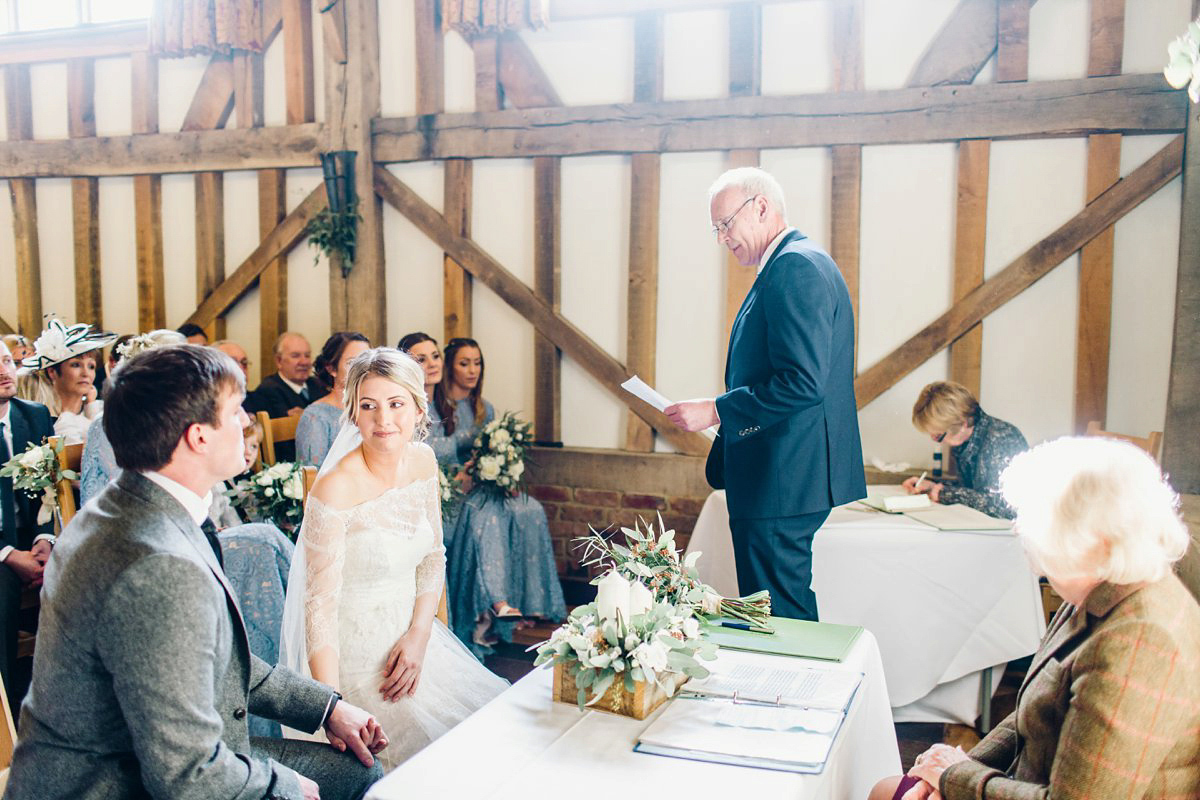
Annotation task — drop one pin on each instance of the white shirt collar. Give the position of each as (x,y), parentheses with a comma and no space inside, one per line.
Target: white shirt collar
(195,505)
(296,387)
(772,247)
(6,419)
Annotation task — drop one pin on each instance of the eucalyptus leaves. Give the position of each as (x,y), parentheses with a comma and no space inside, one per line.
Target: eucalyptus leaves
(36,471)
(335,232)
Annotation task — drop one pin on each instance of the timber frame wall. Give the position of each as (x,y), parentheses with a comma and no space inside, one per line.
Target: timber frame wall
(519,115)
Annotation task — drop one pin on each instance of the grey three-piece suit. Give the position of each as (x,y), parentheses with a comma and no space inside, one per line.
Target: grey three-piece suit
(143,677)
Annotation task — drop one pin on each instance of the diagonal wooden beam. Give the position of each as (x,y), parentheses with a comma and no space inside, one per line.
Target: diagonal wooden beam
(1022,273)
(525,83)
(279,242)
(5,328)
(572,341)
(961,47)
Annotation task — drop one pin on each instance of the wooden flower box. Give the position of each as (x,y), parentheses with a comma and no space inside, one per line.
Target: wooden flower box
(637,704)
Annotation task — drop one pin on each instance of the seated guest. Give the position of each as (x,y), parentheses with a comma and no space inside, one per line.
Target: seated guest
(26,545)
(114,356)
(67,358)
(1110,706)
(289,391)
(320,422)
(982,446)
(193,333)
(143,678)
(423,349)
(500,562)
(18,346)
(236,352)
(98,465)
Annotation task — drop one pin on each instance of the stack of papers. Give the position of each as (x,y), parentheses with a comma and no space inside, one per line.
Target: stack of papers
(754,715)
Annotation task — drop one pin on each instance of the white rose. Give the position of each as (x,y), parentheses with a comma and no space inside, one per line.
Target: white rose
(517,470)
(269,492)
(32,459)
(500,438)
(612,597)
(293,487)
(489,468)
(651,656)
(691,628)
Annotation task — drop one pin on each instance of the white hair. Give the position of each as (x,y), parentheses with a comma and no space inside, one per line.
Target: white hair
(753,181)
(1095,508)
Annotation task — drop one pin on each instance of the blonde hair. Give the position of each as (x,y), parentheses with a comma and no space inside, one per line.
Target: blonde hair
(1095,508)
(254,431)
(943,405)
(395,366)
(36,387)
(753,181)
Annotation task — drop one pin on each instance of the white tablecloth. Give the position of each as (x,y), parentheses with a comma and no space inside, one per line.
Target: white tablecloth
(943,605)
(524,745)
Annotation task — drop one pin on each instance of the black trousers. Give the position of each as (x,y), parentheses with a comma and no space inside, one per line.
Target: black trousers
(776,555)
(341,776)
(16,682)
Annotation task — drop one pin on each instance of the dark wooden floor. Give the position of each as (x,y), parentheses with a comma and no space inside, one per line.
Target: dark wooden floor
(511,662)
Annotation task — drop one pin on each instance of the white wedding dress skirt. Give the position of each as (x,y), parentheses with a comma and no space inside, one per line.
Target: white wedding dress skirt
(389,548)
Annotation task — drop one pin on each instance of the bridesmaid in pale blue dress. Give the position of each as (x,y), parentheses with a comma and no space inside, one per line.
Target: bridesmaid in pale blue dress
(322,419)
(500,562)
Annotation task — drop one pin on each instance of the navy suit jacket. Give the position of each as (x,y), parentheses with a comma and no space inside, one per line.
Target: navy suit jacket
(276,397)
(30,423)
(788,442)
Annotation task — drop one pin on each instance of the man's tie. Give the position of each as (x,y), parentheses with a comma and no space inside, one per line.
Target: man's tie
(304,393)
(8,507)
(210,533)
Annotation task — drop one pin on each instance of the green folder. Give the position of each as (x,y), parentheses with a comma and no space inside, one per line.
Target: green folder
(792,637)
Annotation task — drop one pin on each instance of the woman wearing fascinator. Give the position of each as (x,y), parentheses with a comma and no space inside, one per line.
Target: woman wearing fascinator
(370,565)
(62,375)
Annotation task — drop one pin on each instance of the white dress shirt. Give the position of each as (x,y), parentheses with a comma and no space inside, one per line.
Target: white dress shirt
(771,248)
(298,388)
(6,423)
(195,505)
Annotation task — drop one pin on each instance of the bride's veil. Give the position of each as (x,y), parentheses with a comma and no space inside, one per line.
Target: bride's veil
(293,651)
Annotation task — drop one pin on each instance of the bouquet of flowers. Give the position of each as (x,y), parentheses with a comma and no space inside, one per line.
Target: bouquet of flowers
(652,559)
(498,459)
(450,491)
(36,471)
(273,495)
(624,638)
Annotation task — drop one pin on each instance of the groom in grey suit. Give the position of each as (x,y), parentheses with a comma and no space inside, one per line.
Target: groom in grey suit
(143,677)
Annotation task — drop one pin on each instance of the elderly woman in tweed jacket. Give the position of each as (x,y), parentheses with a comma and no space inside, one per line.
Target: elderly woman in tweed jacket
(1110,707)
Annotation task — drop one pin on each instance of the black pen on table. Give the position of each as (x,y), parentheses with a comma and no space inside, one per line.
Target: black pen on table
(744,626)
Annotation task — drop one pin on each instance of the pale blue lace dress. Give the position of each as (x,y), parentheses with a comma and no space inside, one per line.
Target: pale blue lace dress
(257,559)
(500,547)
(315,432)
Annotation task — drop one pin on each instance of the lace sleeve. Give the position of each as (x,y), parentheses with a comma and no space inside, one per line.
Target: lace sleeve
(431,572)
(324,540)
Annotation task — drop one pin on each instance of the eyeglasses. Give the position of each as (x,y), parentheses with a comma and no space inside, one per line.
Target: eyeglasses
(722,226)
(938,437)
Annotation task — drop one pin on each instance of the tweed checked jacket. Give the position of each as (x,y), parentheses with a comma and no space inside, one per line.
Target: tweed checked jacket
(1110,708)
(143,675)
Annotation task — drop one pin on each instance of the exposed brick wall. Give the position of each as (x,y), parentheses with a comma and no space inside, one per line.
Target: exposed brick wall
(571,510)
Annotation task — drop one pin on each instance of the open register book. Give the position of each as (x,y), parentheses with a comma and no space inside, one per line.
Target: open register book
(756,715)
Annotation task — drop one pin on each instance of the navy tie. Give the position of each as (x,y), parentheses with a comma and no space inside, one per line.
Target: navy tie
(8,508)
(210,533)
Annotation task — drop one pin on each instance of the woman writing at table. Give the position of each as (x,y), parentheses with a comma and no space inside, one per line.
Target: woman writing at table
(982,446)
(1110,706)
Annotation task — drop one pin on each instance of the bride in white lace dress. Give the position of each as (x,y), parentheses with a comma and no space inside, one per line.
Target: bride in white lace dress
(370,566)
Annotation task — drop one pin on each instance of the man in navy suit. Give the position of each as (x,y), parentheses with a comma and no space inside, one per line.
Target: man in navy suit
(788,448)
(26,545)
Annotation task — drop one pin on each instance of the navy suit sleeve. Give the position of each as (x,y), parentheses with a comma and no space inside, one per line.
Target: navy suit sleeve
(799,304)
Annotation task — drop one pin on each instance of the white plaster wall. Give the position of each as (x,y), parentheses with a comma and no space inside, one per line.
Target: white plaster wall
(907,219)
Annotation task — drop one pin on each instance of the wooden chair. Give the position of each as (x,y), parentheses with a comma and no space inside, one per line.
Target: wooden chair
(275,430)
(310,477)
(70,457)
(8,741)
(1152,443)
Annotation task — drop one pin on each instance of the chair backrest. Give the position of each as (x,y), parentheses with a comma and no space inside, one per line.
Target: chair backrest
(8,734)
(310,477)
(1152,443)
(70,457)
(275,430)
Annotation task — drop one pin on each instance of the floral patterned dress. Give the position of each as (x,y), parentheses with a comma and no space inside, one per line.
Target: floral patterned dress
(499,549)
(980,460)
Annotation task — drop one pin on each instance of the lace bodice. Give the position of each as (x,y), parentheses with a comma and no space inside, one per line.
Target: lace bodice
(377,555)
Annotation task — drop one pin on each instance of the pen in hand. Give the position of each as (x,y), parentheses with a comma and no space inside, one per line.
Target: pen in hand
(917,485)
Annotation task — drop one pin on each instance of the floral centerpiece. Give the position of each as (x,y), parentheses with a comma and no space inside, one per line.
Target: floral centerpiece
(498,458)
(450,491)
(653,559)
(626,652)
(37,471)
(276,494)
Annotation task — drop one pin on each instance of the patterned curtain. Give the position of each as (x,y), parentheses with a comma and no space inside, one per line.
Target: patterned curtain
(191,27)
(474,18)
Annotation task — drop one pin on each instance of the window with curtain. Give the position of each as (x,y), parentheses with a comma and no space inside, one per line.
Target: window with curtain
(24,16)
